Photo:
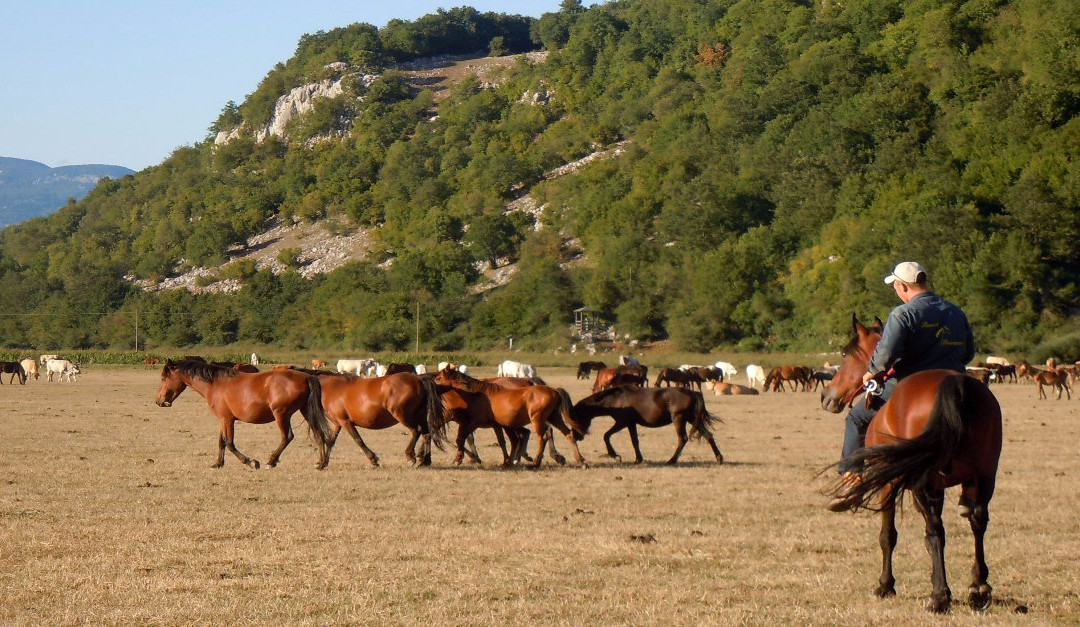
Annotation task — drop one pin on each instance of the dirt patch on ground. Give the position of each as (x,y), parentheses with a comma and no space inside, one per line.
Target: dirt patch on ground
(440,73)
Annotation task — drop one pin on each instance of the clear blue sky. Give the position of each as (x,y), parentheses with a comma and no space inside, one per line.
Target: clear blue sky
(126,82)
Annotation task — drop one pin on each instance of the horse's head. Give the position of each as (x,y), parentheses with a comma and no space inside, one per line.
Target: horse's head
(172,384)
(847,382)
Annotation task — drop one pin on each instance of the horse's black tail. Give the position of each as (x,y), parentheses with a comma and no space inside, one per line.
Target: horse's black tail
(908,464)
(315,416)
(566,412)
(702,420)
(433,412)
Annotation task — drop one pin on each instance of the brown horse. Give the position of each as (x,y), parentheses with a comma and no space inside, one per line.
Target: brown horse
(939,428)
(15,369)
(407,399)
(681,378)
(631,406)
(253,398)
(796,376)
(516,408)
(1058,379)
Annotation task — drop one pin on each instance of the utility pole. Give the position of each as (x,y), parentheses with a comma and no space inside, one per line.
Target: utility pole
(418,329)
(136,329)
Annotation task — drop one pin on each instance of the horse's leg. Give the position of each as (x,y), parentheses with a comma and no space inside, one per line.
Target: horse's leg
(410,449)
(471,450)
(559,459)
(979,593)
(335,429)
(887,540)
(715,449)
(285,426)
(230,432)
(557,422)
(542,438)
(929,502)
(632,429)
(618,426)
(463,434)
(680,430)
(221,447)
(373,459)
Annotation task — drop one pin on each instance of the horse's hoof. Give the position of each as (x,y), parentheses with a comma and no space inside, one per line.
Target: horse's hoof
(584,465)
(884,592)
(560,460)
(719,460)
(255,464)
(639,460)
(979,597)
(939,606)
(217,465)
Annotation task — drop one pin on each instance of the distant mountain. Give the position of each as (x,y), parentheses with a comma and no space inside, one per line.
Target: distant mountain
(29,189)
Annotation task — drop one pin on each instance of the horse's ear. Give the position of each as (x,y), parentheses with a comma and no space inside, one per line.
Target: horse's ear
(857,326)
(878,324)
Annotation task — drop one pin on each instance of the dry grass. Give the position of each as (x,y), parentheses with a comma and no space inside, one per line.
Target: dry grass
(109,513)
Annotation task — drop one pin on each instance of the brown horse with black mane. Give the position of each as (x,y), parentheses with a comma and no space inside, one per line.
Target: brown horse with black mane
(939,428)
(256,398)
(631,406)
(406,399)
(13,368)
(585,367)
(516,408)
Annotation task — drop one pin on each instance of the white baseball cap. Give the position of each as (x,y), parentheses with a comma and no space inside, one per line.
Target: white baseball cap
(906,271)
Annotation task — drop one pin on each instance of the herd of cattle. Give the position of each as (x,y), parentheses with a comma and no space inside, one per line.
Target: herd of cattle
(27,369)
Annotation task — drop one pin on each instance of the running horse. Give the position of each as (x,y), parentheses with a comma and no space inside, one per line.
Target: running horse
(256,398)
(407,399)
(939,429)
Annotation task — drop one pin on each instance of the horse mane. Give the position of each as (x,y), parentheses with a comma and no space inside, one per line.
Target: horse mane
(201,370)
(473,385)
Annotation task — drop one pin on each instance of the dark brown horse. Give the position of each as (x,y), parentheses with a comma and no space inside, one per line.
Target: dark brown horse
(680,378)
(15,369)
(631,406)
(515,408)
(253,398)
(406,399)
(585,367)
(399,368)
(939,428)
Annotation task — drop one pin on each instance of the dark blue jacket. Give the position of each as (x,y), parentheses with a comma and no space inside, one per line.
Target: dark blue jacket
(924,333)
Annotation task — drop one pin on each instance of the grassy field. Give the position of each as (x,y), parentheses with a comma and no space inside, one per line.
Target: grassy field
(110,513)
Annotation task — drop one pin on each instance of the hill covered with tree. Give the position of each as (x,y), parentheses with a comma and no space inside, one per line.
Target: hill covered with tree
(777,159)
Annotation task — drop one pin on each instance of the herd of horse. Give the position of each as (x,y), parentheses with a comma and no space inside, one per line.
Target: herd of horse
(939,428)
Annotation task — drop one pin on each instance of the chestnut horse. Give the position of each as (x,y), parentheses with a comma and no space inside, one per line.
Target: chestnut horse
(515,408)
(1057,379)
(939,428)
(631,406)
(258,398)
(407,399)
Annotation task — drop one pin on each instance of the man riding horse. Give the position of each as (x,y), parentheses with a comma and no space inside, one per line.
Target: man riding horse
(925,332)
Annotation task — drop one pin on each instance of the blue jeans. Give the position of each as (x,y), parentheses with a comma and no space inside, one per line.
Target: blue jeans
(858,419)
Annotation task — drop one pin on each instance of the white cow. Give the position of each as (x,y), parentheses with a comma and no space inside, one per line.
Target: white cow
(254,359)
(626,360)
(62,368)
(45,358)
(443,365)
(355,366)
(515,369)
(728,370)
(755,375)
(1001,361)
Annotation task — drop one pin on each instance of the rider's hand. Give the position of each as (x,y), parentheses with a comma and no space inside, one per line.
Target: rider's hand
(866,377)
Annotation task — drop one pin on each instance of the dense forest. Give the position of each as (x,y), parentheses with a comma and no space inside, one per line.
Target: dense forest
(778,158)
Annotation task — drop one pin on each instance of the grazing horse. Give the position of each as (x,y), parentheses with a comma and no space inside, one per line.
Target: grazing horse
(631,406)
(585,367)
(515,408)
(795,375)
(31,368)
(258,398)
(151,361)
(407,399)
(1058,379)
(13,368)
(939,428)
(681,378)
